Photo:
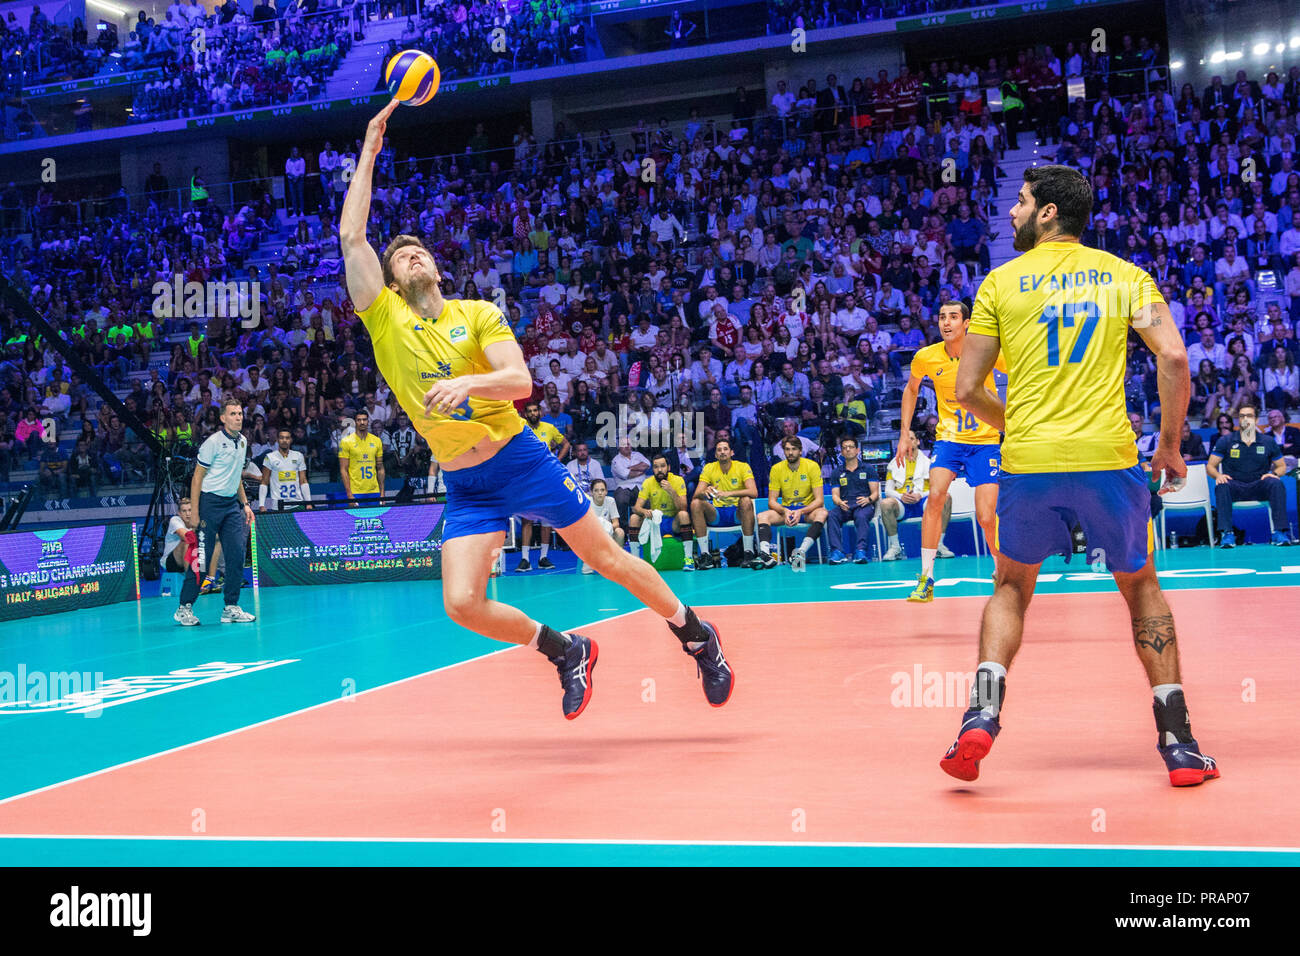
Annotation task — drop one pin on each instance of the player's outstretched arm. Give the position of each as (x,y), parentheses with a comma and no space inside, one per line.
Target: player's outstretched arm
(365,276)
(979,354)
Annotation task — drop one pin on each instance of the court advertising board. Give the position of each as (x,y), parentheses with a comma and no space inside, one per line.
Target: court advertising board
(338,546)
(63,569)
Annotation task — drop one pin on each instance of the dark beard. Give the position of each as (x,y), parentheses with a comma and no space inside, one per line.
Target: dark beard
(418,288)
(1026,236)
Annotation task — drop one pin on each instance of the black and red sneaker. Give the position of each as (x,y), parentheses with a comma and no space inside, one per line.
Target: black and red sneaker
(576,667)
(974,741)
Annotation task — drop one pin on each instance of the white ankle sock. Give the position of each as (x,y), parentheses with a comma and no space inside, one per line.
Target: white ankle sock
(927,561)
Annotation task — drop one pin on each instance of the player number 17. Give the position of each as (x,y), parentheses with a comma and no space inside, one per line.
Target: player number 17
(1054,317)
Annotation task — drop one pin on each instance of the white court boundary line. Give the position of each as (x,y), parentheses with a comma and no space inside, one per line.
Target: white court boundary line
(272,720)
(544,841)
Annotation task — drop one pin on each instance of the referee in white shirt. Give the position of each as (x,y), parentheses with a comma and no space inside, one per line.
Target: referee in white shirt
(224,513)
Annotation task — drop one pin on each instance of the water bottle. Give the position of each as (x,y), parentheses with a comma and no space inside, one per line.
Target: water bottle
(722,559)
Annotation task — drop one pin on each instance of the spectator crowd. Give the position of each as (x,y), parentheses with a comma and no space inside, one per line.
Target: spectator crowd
(772,280)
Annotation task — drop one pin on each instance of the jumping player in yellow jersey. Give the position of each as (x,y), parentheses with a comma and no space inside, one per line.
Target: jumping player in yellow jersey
(964,445)
(455,367)
(1061,315)
(797,481)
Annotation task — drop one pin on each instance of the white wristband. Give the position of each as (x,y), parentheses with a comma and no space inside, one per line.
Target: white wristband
(261,496)
(306,492)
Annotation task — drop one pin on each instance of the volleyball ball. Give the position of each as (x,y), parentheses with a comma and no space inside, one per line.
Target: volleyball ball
(412,76)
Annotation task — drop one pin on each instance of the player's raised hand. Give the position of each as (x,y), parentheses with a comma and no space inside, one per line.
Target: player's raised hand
(378,124)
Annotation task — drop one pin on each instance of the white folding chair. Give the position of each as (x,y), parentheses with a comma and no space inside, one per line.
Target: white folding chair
(1193,496)
(963,508)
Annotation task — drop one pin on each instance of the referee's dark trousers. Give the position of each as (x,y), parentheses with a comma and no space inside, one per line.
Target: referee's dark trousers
(836,517)
(1265,489)
(221,518)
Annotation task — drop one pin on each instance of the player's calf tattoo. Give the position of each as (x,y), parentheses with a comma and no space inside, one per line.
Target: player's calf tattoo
(1155,632)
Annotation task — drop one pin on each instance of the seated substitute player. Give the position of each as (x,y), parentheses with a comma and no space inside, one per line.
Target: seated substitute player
(726,490)
(455,367)
(906,489)
(855,489)
(284,475)
(965,446)
(559,445)
(607,511)
(1061,314)
(798,483)
(361,462)
(665,493)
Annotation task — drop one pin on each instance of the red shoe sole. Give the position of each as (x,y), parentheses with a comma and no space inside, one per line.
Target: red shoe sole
(1190,777)
(732,690)
(972,747)
(586,698)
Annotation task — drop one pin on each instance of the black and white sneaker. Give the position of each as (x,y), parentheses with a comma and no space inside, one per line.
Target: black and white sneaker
(523,566)
(714,672)
(545,565)
(576,667)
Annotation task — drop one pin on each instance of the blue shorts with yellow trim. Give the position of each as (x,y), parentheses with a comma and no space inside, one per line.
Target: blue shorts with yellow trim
(1036,513)
(523,478)
(981,464)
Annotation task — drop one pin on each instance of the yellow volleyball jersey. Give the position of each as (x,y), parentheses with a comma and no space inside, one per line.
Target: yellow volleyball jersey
(731,480)
(796,486)
(656,497)
(955,423)
(413,352)
(549,434)
(362,455)
(1062,313)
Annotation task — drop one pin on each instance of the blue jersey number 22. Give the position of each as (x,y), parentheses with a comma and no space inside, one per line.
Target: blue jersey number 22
(1053,318)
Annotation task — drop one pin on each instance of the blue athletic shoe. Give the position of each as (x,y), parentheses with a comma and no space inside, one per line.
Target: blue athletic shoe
(712,668)
(1228,540)
(1187,766)
(973,743)
(1281,539)
(837,557)
(860,556)
(576,667)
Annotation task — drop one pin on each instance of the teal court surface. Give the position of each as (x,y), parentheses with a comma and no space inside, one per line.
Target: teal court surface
(356,725)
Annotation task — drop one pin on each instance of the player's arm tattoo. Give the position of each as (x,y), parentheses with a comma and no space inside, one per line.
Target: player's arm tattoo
(1156,632)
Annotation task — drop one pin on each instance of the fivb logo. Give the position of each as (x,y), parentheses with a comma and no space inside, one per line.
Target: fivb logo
(633,427)
(75,908)
(205,300)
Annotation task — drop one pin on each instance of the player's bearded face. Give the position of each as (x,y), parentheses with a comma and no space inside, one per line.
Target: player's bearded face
(661,470)
(1027,233)
(792,453)
(419,281)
